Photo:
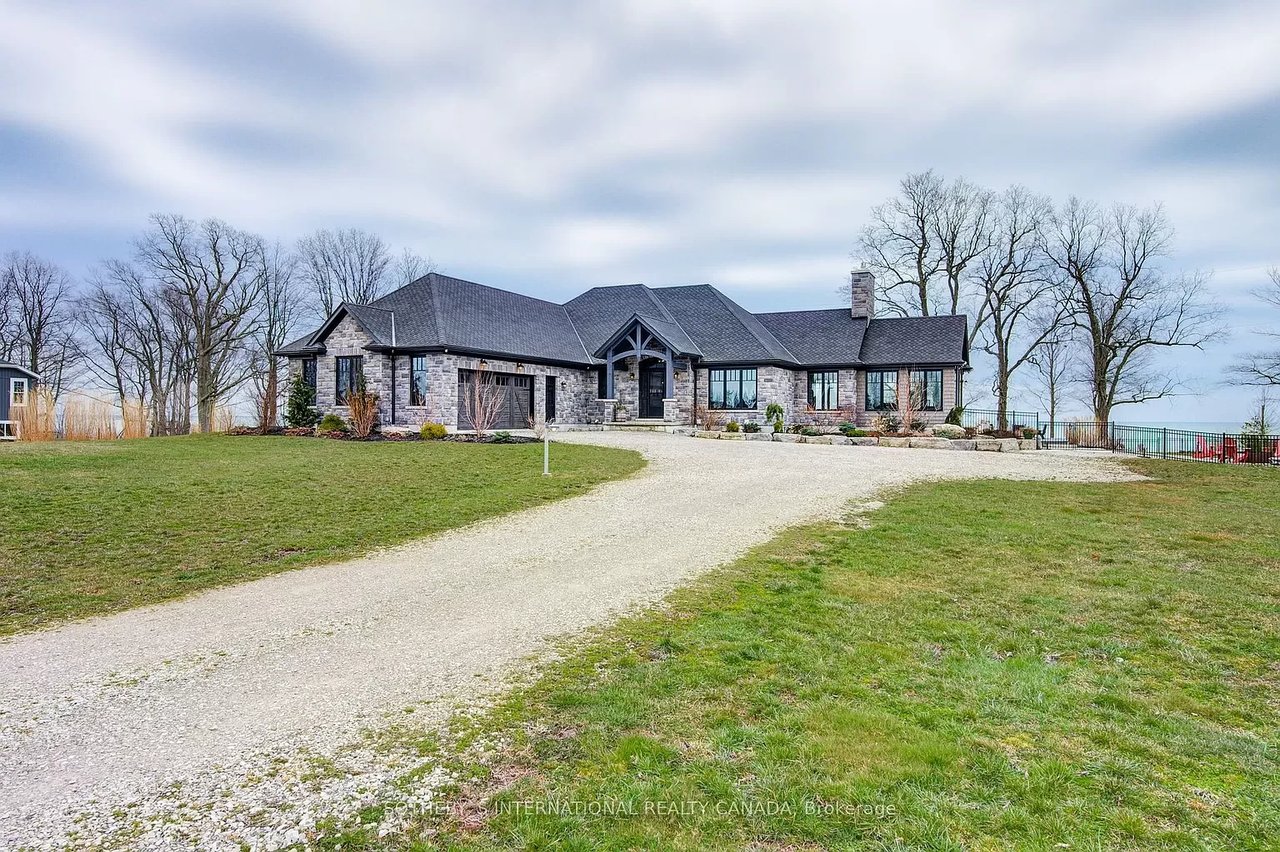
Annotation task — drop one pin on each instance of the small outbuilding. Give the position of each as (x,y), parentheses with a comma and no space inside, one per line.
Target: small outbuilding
(16,384)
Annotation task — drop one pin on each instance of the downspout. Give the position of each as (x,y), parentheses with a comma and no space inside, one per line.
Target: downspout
(693,410)
(393,368)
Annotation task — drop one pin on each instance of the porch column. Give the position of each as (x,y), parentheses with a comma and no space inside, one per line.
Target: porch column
(608,375)
(671,375)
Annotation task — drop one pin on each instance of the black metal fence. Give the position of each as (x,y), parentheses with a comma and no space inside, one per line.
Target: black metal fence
(1158,442)
(977,418)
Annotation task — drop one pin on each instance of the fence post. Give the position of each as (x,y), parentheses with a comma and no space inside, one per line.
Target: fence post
(1164,443)
(1223,451)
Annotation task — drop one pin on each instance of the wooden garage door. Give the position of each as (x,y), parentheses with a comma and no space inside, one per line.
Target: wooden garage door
(515,394)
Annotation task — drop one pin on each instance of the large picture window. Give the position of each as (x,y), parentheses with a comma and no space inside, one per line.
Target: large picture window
(882,390)
(732,390)
(418,380)
(824,390)
(926,389)
(309,371)
(348,370)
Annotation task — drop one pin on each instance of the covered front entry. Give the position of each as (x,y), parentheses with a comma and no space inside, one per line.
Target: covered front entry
(653,388)
(642,353)
(503,400)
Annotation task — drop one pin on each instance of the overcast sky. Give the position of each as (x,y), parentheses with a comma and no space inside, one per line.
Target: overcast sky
(547,147)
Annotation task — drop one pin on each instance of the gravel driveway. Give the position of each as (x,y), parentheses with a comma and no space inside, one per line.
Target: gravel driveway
(188,723)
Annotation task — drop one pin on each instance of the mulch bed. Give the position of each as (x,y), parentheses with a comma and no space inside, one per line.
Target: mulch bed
(338,435)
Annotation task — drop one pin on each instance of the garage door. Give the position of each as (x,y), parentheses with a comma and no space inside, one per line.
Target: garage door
(510,394)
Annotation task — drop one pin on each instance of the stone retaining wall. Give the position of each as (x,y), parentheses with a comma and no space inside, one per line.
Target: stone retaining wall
(991,445)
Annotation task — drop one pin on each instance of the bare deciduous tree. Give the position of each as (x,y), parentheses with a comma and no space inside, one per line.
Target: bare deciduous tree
(141,344)
(1261,368)
(215,274)
(344,266)
(923,243)
(409,267)
(899,244)
(281,311)
(1124,306)
(37,318)
(484,400)
(1017,290)
(1052,361)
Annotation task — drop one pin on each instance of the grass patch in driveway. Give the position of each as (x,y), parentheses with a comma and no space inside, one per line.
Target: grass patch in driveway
(94,527)
(991,665)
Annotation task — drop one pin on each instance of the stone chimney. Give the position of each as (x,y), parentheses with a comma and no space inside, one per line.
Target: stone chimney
(862,284)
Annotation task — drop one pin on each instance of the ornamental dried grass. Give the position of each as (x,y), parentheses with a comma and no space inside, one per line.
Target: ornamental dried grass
(37,420)
(85,418)
(363,405)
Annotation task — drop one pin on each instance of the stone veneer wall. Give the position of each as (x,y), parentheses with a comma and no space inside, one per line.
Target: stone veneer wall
(931,417)
(791,388)
(575,394)
(576,400)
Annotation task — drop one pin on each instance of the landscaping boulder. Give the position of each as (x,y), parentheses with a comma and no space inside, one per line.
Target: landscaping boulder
(818,439)
(757,436)
(732,436)
(930,443)
(1026,443)
(964,444)
(865,441)
(839,439)
(895,442)
(786,437)
(987,445)
(706,433)
(946,430)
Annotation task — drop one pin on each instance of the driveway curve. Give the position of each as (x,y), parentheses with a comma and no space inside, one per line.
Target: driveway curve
(122,726)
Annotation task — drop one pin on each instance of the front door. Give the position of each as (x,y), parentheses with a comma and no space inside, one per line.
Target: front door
(653,389)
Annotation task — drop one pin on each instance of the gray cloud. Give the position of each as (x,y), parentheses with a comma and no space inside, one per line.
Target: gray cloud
(553,146)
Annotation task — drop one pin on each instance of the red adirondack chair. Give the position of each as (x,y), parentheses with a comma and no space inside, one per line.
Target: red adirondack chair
(1230,451)
(1204,451)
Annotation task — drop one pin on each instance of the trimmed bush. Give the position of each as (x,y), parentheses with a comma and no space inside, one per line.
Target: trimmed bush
(433,431)
(955,415)
(752,428)
(332,423)
(1029,433)
(503,437)
(732,426)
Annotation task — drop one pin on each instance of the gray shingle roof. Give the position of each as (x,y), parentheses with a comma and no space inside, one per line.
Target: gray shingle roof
(819,338)
(438,311)
(9,365)
(723,330)
(891,341)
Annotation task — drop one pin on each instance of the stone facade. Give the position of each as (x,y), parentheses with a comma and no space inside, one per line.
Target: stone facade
(577,401)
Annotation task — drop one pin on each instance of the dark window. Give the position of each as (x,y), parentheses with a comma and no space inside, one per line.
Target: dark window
(732,390)
(926,389)
(309,371)
(602,383)
(551,399)
(349,371)
(882,390)
(418,380)
(824,390)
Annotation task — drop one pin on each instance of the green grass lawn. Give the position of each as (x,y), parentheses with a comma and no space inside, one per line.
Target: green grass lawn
(991,665)
(93,527)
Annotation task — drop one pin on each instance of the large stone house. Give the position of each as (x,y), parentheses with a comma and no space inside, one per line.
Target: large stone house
(647,354)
